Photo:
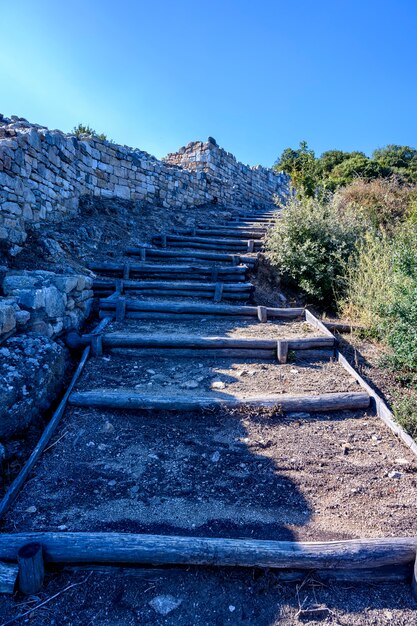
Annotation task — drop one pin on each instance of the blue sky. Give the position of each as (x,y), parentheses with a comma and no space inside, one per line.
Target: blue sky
(258,76)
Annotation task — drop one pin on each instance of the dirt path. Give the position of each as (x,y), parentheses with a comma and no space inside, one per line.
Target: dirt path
(237,473)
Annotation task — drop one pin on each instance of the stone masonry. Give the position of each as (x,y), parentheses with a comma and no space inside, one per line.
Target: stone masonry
(43,174)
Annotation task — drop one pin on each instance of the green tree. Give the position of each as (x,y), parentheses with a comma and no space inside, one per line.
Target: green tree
(301,165)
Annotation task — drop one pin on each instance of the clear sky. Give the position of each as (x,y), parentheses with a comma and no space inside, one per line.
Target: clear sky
(257,75)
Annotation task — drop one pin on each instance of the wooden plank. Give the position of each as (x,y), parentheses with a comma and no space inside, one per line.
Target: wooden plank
(129,548)
(19,481)
(8,577)
(130,399)
(381,408)
(316,323)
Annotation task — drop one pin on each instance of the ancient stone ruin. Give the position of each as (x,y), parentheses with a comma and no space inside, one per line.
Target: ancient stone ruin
(45,176)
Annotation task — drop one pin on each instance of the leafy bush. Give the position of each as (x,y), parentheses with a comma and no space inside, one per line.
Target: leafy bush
(382,292)
(82,129)
(405,411)
(310,246)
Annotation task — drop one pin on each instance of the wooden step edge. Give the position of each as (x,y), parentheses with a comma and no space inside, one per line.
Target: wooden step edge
(131,399)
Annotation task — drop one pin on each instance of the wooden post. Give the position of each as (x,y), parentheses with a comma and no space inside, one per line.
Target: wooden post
(120,309)
(414,579)
(31,569)
(97,345)
(143,254)
(119,285)
(214,273)
(126,271)
(262,314)
(251,245)
(163,241)
(218,292)
(282,351)
(235,259)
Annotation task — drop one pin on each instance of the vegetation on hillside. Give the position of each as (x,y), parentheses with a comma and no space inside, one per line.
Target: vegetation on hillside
(347,240)
(335,168)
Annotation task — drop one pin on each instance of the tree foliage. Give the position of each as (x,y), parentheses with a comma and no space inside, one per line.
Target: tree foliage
(336,168)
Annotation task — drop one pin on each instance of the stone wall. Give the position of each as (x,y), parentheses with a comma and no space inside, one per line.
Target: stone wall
(230,181)
(43,174)
(44,302)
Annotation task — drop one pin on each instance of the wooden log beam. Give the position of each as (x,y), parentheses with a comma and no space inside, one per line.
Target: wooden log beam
(130,399)
(145,285)
(137,340)
(238,233)
(169,270)
(203,309)
(220,353)
(206,244)
(136,549)
(8,577)
(186,255)
(242,295)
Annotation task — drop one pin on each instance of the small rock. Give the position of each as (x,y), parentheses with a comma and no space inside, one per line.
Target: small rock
(402,461)
(216,457)
(111,483)
(241,373)
(151,372)
(165,604)
(394,474)
(294,371)
(232,608)
(31,509)
(189,384)
(218,384)
(108,427)
(63,527)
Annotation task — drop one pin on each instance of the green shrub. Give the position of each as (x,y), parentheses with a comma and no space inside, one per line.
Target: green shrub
(405,411)
(310,246)
(382,292)
(82,129)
